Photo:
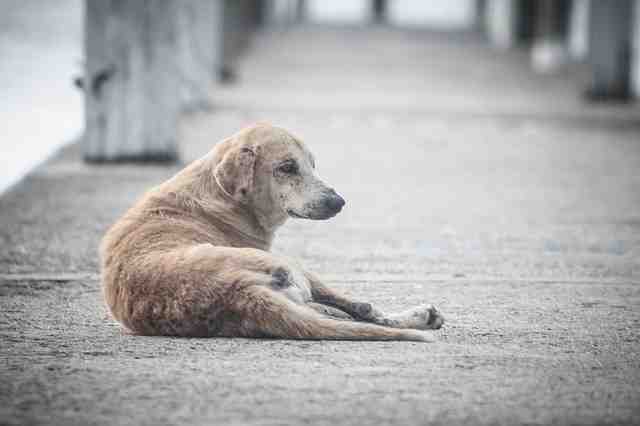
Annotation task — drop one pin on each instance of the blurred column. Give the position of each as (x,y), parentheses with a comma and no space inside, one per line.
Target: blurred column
(380,10)
(283,12)
(635,55)
(578,43)
(610,49)
(131,82)
(199,50)
(240,18)
(501,22)
(549,50)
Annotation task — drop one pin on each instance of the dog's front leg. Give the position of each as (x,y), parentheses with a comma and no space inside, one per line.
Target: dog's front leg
(329,311)
(422,317)
(322,294)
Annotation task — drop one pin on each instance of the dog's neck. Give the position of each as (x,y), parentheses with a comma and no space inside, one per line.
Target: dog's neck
(241,219)
(200,194)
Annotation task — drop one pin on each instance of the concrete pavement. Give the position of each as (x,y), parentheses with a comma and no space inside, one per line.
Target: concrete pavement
(470,183)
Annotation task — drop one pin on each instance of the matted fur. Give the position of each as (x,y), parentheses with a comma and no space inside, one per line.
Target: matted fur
(191,258)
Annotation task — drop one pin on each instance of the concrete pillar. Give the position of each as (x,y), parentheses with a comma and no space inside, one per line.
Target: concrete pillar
(283,12)
(501,22)
(610,49)
(380,10)
(635,53)
(549,50)
(578,43)
(239,20)
(131,81)
(200,49)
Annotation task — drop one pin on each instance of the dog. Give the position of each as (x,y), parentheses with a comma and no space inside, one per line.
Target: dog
(191,258)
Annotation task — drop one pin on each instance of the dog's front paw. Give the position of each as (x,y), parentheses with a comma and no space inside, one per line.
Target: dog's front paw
(435,319)
(423,317)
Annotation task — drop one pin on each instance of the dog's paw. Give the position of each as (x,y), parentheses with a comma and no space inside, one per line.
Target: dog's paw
(423,317)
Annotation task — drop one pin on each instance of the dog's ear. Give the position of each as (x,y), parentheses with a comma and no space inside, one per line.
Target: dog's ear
(234,173)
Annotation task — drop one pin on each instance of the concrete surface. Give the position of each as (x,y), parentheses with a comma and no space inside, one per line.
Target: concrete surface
(470,183)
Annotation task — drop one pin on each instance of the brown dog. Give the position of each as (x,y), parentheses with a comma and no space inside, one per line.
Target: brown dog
(191,257)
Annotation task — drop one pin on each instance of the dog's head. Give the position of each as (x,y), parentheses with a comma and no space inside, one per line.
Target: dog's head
(271,171)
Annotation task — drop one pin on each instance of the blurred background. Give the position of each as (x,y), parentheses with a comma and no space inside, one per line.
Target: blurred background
(512,56)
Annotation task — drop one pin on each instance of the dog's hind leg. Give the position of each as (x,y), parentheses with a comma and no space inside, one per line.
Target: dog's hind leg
(268,313)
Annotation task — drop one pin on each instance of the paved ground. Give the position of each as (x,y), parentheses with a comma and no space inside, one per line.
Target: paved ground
(470,183)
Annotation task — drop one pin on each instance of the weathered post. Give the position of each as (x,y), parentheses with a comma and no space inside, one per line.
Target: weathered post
(283,12)
(239,19)
(131,87)
(610,49)
(200,49)
(501,22)
(549,51)
(635,50)
(578,38)
(508,23)
(146,60)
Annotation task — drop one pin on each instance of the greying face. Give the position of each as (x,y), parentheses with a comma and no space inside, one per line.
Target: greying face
(287,180)
(271,171)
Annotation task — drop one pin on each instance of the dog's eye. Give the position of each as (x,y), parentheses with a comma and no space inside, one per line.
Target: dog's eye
(290,168)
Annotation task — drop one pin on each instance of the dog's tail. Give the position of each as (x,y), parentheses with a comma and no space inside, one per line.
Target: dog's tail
(271,314)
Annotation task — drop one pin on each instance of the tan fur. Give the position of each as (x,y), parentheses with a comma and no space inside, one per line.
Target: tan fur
(191,258)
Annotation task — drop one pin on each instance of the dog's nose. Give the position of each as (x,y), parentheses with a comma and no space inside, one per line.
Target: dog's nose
(334,201)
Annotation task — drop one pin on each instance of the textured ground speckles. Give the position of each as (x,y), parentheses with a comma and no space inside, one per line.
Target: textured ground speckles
(563,352)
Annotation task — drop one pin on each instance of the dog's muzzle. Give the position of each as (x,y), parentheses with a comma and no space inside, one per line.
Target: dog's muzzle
(326,206)
(333,202)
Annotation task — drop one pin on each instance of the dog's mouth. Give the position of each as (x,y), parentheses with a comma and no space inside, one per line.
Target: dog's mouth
(321,209)
(293,214)
(315,215)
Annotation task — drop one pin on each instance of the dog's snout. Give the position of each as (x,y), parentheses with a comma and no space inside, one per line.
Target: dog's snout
(333,201)
(326,204)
